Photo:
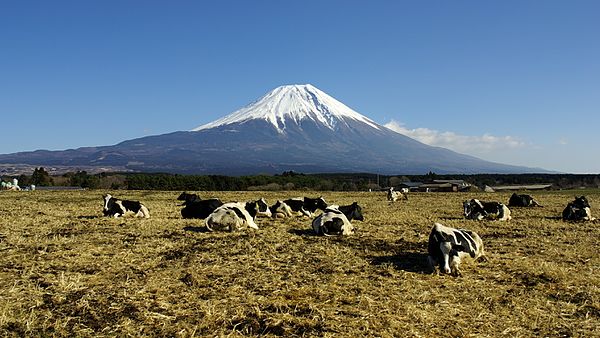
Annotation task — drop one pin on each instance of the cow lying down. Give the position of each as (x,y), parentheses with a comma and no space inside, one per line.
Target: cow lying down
(393,196)
(578,210)
(335,220)
(479,210)
(232,217)
(305,205)
(522,201)
(196,207)
(448,246)
(116,208)
(263,208)
(281,210)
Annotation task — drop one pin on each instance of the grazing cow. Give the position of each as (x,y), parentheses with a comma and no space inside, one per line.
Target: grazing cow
(306,206)
(393,196)
(263,208)
(476,209)
(232,217)
(448,246)
(578,210)
(522,201)
(116,208)
(280,210)
(335,220)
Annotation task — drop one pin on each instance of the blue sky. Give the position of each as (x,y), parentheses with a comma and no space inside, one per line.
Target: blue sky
(516,82)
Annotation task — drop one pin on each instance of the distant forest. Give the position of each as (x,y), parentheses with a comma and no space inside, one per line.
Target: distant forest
(289,181)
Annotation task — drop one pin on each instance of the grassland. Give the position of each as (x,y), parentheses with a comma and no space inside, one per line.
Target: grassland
(67,271)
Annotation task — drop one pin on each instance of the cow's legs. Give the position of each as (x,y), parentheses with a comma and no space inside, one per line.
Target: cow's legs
(446,247)
(454,263)
(432,264)
(305,212)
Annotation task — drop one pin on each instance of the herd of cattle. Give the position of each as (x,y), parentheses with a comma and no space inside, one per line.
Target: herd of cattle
(447,246)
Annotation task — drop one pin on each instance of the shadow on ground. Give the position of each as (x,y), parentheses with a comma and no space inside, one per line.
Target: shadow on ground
(196,229)
(88,217)
(406,261)
(302,232)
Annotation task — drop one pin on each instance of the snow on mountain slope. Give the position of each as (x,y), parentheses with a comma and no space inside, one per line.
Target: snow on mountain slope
(293,103)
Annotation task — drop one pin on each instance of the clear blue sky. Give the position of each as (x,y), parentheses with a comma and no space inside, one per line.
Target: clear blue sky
(510,81)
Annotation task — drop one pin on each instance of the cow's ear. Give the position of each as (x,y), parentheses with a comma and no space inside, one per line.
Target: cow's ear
(355,203)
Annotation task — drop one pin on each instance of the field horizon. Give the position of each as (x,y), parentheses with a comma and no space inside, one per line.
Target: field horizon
(67,271)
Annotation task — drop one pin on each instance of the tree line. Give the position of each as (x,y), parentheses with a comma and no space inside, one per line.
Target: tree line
(289,180)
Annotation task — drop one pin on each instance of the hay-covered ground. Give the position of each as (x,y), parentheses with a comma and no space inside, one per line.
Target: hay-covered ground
(66,271)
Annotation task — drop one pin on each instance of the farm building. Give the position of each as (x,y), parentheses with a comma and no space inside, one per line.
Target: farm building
(437,185)
(488,188)
(411,186)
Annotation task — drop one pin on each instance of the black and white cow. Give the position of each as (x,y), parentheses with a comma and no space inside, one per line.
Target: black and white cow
(393,195)
(335,220)
(578,210)
(306,206)
(198,208)
(232,217)
(280,210)
(448,246)
(522,201)
(116,208)
(476,209)
(263,208)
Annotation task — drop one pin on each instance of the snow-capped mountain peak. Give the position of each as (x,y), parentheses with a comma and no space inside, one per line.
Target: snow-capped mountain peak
(293,103)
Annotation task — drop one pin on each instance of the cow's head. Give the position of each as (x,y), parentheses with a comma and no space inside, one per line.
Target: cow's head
(252,208)
(312,204)
(581,202)
(106,198)
(467,208)
(473,209)
(355,212)
(263,207)
(320,203)
(275,206)
(188,198)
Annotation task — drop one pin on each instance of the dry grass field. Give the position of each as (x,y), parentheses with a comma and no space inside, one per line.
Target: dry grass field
(67,271)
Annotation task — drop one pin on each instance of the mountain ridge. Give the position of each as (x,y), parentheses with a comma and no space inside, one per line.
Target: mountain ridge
(294,127)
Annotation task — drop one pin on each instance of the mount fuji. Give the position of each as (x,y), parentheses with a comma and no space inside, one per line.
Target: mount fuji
(294,127)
